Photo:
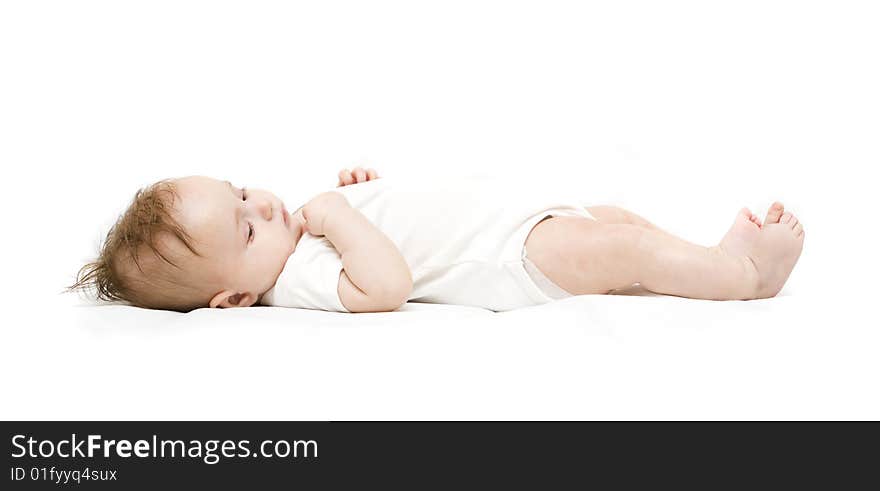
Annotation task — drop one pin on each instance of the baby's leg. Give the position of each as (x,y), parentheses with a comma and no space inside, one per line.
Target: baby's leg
(586,256)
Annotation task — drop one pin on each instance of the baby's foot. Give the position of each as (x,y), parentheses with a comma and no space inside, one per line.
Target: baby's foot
(742,234)
(773,247)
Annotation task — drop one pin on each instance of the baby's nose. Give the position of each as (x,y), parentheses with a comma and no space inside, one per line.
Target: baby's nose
(265,209)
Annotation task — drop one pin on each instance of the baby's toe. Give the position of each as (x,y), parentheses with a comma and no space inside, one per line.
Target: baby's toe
(774,213)
(754,218)
(786,217)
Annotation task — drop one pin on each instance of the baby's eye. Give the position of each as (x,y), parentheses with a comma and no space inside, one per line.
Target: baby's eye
(250,232)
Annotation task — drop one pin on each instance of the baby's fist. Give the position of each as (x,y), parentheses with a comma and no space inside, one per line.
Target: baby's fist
(315,212)
(355,176)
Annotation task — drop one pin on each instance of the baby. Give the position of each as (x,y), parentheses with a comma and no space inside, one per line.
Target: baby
(370,246)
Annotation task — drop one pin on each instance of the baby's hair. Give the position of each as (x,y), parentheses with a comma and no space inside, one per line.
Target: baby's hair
(147,220)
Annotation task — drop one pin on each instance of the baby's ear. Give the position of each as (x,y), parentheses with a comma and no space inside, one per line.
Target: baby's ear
(227,299)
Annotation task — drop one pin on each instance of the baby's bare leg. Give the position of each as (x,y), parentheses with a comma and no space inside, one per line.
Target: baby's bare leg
(586,256)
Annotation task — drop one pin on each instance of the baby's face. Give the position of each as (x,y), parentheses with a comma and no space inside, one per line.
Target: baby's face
(246,236)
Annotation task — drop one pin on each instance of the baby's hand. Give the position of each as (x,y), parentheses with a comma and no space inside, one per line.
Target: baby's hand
(355,176)
(315,212)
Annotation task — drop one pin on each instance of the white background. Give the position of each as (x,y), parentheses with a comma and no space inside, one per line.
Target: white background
(681,111)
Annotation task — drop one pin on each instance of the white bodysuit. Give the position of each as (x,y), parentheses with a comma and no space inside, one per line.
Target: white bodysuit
(463,240)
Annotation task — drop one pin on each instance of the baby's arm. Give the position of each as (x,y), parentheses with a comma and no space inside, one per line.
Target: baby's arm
(375,276)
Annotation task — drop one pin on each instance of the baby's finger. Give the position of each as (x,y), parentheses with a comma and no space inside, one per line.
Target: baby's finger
(345,178)
(359,174)
(371,174)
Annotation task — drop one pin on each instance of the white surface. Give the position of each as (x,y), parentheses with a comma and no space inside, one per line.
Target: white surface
(680,111)
(606,357)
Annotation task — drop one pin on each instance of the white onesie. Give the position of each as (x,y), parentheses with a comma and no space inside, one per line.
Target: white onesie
(462,238)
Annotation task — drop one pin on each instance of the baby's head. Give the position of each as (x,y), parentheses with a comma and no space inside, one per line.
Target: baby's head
(194,242)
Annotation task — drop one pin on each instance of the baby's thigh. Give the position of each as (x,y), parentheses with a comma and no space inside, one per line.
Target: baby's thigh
(585,256)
